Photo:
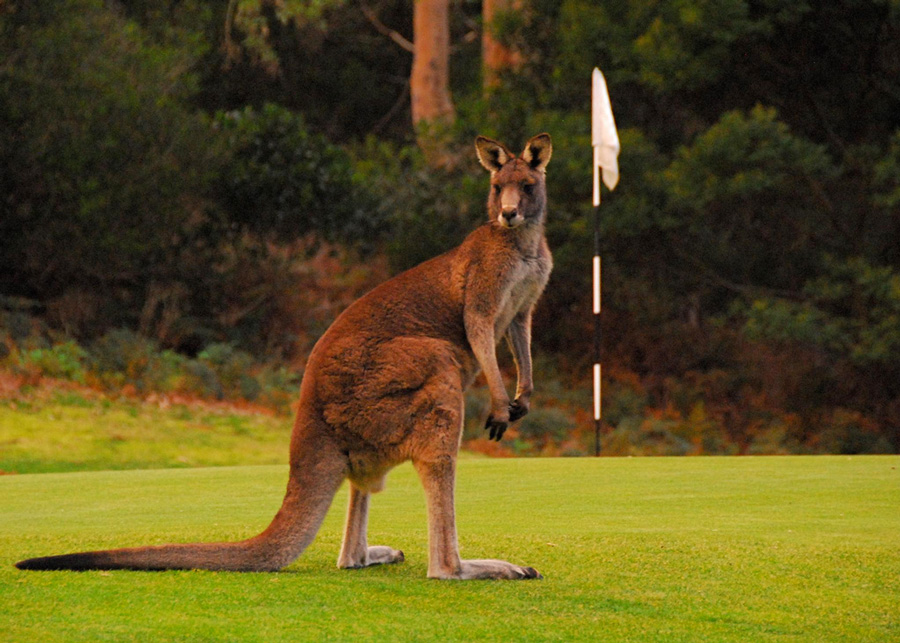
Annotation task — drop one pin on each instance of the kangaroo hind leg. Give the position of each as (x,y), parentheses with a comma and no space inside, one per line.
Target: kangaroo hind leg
(355,550)
(444,562)
(435,462)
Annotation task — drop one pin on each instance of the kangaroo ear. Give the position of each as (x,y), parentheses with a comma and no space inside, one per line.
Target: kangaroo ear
(491,154)
(538,151)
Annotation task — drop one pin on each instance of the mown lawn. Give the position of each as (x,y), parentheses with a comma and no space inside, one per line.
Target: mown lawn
(691,549)
(51,429)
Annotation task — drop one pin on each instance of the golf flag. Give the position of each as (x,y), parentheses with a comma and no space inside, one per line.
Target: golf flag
(604,136)
(605,141)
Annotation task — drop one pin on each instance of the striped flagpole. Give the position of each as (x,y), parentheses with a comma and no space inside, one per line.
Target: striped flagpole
(598,331)
(605,141)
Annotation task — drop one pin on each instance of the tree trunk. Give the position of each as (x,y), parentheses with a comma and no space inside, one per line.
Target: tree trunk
(496,57)
(430,79)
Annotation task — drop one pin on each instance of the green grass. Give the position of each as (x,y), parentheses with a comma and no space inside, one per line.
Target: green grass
(69,431)
(697,549)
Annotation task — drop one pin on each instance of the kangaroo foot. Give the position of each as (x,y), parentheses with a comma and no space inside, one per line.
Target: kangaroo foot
(375,555)
(487,569)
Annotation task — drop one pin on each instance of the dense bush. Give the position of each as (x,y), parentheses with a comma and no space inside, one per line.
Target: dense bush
(429,210)
(65,361)
(282,182)
(105,163)
(124,360)
(547,425)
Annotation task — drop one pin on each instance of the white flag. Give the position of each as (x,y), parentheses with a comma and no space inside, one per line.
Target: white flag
(604,136)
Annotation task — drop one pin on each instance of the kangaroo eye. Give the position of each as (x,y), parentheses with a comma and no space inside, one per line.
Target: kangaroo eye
(528,189)
(496,188)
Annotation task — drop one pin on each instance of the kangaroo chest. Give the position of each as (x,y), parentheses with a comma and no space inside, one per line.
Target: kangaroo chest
(525,285)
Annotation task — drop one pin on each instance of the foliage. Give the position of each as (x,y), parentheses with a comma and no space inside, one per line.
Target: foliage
(283,182)
(106,224)
(749,251)
(546,424)
(887,176)
(253,19)
(123,360)
(852,311)
(730,205)
(735,187)
(430,210)
(66,360)
(322,58)
(105,160)
(232,369)
(123,357)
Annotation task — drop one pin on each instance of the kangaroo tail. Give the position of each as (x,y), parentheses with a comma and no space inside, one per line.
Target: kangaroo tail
(313,482)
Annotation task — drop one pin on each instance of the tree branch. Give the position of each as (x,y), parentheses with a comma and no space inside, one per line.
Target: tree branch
(231,49)
(385,30)
(402,100)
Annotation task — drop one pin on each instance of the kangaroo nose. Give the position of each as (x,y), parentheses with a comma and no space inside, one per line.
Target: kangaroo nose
(509,211)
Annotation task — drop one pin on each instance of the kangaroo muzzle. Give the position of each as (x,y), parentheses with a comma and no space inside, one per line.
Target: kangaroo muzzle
(510,216)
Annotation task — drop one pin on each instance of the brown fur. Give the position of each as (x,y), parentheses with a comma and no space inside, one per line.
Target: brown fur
(385,384)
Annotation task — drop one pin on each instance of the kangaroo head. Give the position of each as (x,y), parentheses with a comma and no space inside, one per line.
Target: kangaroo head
(518,188)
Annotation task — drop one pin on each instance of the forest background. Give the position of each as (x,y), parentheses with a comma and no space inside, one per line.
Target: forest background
(192,190)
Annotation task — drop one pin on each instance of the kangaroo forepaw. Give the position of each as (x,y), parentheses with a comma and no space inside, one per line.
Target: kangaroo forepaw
(498,423)
(518,409)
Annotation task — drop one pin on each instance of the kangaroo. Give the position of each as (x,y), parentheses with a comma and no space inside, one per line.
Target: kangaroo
(385,384)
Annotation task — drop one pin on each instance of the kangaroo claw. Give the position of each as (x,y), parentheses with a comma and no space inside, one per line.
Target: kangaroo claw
(496,427)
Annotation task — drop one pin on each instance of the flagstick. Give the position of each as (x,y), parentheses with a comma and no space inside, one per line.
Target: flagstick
(598,343)
(605,141)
